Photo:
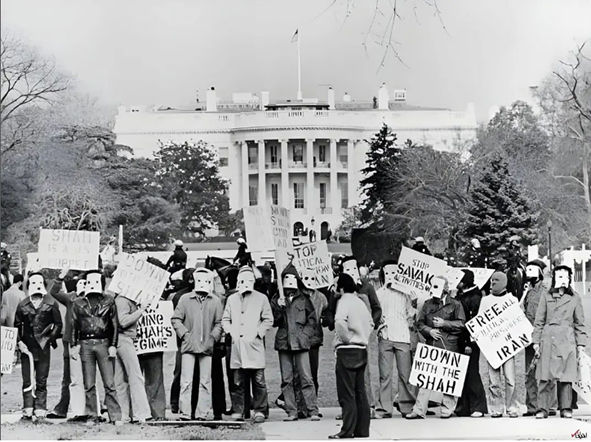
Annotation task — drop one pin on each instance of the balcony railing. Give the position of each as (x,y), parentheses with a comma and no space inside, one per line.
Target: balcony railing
(273,165)
(322,164)
(297,164)
(253,166)
(326,210)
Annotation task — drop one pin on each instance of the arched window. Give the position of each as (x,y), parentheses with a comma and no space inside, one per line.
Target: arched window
(298,229)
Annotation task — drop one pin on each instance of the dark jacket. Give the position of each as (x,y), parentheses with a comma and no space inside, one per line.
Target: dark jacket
(368,295)
(470,300)
(243,256)
(320,304)
(452,312)
(177,261)
(98,322)
(38,327)
(66,299)
(296,322)
(475,258)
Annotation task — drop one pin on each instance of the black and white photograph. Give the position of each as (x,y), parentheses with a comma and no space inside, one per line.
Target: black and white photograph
(295,220)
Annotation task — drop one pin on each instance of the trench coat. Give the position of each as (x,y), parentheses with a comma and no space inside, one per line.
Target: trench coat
(558,329)
(247,319)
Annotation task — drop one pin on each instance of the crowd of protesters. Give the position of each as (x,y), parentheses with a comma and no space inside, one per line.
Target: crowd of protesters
(216,322)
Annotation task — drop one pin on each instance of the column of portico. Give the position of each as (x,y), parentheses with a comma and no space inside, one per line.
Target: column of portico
(334,196)
(310,202)
(284,175)
(244,168)
(262,184)
(351,173)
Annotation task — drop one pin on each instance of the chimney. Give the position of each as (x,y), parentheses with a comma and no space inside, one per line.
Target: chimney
(346,98)
(331,105)
(212,101)
(383,98)
(264,99)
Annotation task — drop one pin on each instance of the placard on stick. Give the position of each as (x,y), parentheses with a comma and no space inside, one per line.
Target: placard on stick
(583,384)
(154,330)
(439,370)
(76,249)
(313,256)
(8,347)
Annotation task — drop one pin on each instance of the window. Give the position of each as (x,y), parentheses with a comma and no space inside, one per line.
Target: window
(298,153)
(275,193)
(253,154)
(274,158)
(344,196)
(323,195)
(343,155)
(253,193)
(298,195)
(322,153)
(223,155)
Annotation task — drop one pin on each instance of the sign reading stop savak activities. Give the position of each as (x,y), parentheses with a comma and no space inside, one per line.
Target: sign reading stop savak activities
(8,347)
(138,280)
(501,331)
(312,256)
(439,370)
(415,272)
(154,330)
(75,249)
(583,384)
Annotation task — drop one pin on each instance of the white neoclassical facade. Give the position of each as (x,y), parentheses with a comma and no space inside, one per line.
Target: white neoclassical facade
(306,155)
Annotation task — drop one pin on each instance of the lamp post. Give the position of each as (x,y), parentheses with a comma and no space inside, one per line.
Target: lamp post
(549,225)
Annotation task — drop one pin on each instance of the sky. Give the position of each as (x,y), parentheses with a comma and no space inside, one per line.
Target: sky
(485,52)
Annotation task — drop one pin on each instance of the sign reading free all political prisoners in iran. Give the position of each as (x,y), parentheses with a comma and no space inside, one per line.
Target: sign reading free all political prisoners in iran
(154,330)
(138,280)
(75,249)
(440,370)
(501,331)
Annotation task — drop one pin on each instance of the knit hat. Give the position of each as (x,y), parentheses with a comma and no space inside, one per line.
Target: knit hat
(290,270)
(468,278)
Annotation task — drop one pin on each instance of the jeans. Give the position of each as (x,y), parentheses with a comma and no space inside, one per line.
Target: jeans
(204,410)
(152,368)
(217,385)
(388,351)
(473,395)
(77,393)
(41,371)
(314,360)
(350,374)
(448,403)
(259,390)
(289,362)
(129,382)
(547,395)
(175,388)
(62,406)
(93,352)
(495,388)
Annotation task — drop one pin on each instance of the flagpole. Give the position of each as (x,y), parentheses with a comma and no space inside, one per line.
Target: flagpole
(299,69)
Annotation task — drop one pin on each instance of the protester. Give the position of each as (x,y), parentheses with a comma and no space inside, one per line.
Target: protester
(353,325)
(500,296)
(394,344)
(473,400)
(5,260)
(129,380)
(420,246)
(178,259)
(94,340)
(559,335)
(72,395)
(534,273)
(10,301)
(197,322)
(441,321)
(247,318)
(39,324)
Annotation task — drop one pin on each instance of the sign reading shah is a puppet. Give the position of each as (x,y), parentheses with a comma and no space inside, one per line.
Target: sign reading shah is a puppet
(75,249)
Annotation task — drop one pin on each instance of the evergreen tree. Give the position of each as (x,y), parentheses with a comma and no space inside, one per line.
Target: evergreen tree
(382,160)
(497,210)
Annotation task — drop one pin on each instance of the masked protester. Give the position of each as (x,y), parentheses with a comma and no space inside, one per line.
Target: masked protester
(295,319)
(394,344)
(39,324)
(441,321)
(473,400)
(499,296)
(94,340)
(247,318)
(73,395)
(559,334)
(533,291)
(197,321)
(353,326)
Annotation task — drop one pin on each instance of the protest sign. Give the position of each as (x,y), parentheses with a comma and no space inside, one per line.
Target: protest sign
(76,249)
(415,272)
(313,256)
(33,264)
(454,276)
(501,331)
(258,229)
(439,370)
(481,275)
(280,229)
(154,330)
(8,347)
(138,280)
(583,384)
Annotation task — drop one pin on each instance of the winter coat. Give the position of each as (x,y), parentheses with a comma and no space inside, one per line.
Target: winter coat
(532,300)
(198,323)
(296,322)
(320,303)
(98,322)
(38,328)
(452,312)
(558,328)
(247,318)
(470,300)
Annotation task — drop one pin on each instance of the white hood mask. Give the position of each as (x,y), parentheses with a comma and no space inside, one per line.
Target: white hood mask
(561,279)
(80,287)
(390,271)
(203,281)
(437,287)
(350,268)
(245,282)
(37,286)
(94,283)
(290,282)
(309,278)
(533,271)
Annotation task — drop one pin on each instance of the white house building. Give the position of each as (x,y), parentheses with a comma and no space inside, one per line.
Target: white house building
(305,155)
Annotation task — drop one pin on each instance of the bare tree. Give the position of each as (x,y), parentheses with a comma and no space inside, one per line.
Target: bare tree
(28,83)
